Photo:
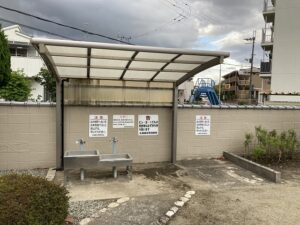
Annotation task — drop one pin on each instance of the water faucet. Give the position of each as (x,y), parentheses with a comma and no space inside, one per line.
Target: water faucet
(81,143)
(114,141)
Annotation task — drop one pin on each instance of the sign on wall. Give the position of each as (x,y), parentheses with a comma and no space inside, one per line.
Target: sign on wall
(98,125)
(123,121)
(148,125)
(202,125)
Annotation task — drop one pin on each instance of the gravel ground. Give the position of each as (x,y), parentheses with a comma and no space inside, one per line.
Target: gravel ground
(33,172)
(82,209)
(142,210)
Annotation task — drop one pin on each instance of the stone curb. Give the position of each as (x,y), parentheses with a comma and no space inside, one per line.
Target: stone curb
(114,204)
(174,209)
(261,170)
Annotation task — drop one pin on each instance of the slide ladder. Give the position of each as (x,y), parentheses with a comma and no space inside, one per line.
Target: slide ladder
(205,88)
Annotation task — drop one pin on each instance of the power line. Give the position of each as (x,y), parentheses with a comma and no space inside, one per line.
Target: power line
(156,28)
(34,28)
(63,25)
(174,7)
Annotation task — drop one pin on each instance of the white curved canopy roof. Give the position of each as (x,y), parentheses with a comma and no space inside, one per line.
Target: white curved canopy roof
(77,59)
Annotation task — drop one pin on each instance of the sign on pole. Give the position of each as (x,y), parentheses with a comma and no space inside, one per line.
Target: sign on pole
(98,125)
(123,121)
(202,125)
(148,125)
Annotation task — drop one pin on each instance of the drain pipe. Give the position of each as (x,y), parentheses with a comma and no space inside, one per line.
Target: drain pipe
(63,121)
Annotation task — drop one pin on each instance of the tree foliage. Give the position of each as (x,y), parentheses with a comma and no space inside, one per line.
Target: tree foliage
(45,78)
(17,88)
(4,60)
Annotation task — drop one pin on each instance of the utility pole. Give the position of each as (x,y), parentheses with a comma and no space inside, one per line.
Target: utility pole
(251,60)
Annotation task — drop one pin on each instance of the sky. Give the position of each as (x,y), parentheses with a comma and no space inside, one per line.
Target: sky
(217,25)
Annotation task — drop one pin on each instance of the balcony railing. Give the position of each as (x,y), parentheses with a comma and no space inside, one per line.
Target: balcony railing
(244,82)
(266,67)
(269,5)
(267,35)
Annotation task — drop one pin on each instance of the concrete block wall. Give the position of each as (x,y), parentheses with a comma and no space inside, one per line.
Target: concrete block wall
(28,132)
(27,137)
(142,148)
(228,128)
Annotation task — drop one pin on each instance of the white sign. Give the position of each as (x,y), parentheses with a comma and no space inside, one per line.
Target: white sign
(202,125)
(148,125)
(98,125)
(123,121)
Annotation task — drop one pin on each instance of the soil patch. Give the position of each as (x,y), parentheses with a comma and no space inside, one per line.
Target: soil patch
(158,172)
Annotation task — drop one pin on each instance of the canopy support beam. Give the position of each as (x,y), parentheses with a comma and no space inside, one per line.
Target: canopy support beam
(128,64)
(59,141)
(174,126)
(88,72)
(200,68)
(168,63)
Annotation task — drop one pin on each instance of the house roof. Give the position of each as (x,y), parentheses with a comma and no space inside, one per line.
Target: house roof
(18,31)
(12,27)
(242,72)
(78,59)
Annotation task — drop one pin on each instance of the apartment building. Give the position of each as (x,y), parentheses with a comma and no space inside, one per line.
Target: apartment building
(25,57)
(280,42)
(237,84)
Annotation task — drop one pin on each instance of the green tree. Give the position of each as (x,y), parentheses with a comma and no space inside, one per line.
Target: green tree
(17,88)
(4,60)
(45,78)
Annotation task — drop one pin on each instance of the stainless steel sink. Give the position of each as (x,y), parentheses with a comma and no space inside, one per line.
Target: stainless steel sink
(81,159)
(118,159)
(93,159)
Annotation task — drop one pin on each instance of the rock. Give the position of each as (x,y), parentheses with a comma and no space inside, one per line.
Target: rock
(51,174)
(164,219)
(184,199)
(155,223)
(95,215)
(103,210)
(187,196)
(190,192)
(174,209)
(69,220)
(85,221)
(122,200)
(170,213)
(113,205)
(179,203)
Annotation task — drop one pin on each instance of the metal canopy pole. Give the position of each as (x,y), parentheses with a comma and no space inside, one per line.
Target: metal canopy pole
(58,124)
(174,125)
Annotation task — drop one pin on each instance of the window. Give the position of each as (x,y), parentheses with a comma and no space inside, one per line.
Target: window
(21,51)
(18,51)
(12,51)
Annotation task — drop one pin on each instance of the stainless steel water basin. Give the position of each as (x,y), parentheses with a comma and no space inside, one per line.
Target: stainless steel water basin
(118,159)
(81,159)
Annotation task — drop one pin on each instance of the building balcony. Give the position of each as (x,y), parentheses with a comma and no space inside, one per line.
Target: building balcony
(229,80)
(267,36)
(267,39)
(269,11)
(244,82)
(265,69)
